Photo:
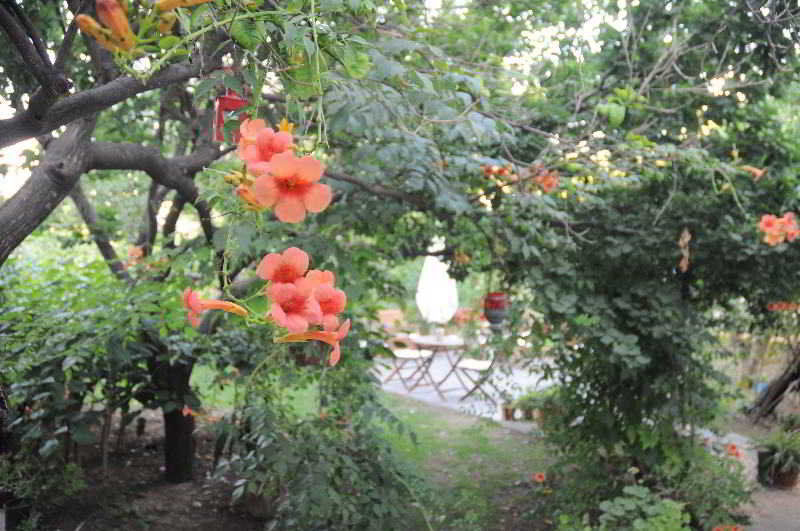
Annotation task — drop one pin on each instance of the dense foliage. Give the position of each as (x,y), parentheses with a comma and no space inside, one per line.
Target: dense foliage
(606,162)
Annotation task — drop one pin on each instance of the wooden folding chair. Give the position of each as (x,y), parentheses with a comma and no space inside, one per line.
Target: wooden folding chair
(406,355)
(478,373)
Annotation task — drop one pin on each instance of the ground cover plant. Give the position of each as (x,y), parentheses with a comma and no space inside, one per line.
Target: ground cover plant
(267,166)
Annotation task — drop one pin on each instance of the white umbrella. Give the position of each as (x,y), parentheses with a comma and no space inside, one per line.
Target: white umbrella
(437,295)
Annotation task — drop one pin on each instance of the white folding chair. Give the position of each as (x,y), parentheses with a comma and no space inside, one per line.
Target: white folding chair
(479,374)
(406,355)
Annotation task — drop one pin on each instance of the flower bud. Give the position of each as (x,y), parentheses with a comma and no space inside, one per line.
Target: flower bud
(166,21)
(114,18)
(91,27)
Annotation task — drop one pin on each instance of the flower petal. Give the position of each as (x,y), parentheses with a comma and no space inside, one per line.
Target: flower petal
(278,315)
(266,191)
(258,168)
(330,322)
(318,197)
(290,210)
(298,259)
(267,266)
(309,169)
(296,324)
(343,330)
(283,164)
(318,277)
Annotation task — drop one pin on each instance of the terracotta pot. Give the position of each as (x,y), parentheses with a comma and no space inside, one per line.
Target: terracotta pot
(779,479)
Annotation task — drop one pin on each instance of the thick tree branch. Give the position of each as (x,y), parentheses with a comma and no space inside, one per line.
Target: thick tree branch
(149,226)
(64,161)
(26,124)
(89,216)
(26,40)
(173,173)
(375,189)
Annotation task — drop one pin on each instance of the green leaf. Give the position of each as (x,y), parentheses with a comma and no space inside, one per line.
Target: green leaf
(614,113)
(168,42)
(356,62)
(245,33)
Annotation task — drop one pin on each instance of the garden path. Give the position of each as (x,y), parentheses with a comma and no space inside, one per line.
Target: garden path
(771,510)
(511,382)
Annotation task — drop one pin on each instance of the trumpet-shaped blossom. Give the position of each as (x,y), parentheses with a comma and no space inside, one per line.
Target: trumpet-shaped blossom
(547,180)
(197,305)
(318,277)
(114,17)
(291,187)
(246,194)
(332,302)
(302,298)
(779,229)
(169,5)
(248,133)
(102,35)
(286,267)
(293,305)
(332,338)
(263,143)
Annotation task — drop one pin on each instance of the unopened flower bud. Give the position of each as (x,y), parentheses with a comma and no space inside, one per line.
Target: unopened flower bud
(112,15)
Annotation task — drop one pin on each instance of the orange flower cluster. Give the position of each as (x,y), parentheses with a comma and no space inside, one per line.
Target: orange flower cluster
(492,170)
(539,477)
(779,229)
(782,306)
(728,528)
(547,179)
(115,34)
(302,297)
(283,181)
(733,450)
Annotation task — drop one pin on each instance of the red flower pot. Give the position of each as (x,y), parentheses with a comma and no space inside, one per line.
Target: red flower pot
(495,306)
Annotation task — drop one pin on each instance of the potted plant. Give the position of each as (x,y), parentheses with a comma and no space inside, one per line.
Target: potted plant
(495,306)
(508,411)
(535,404)
(779,459)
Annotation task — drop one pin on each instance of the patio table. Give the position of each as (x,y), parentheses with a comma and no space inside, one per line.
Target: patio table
(452,345)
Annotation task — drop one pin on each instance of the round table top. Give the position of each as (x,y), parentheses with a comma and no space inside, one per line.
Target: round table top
(434,341)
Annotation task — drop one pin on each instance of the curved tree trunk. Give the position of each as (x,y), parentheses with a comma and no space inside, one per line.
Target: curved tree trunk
(767,401)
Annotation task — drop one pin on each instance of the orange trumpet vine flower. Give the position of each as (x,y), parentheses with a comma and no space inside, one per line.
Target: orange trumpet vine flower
(246,194)
(196,306)
(113,16)
(331,338)
(169,5)
(103,36)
